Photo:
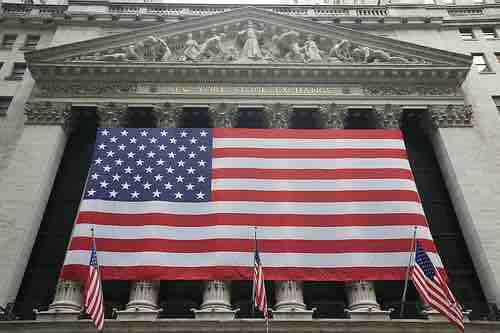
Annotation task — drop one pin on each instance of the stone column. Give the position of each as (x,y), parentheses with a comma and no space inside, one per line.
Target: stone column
(333,115)
(217,294)
(53,122)
(289,298)
(388,116)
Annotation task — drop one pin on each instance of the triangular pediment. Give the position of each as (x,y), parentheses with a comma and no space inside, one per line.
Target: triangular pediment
(247,36)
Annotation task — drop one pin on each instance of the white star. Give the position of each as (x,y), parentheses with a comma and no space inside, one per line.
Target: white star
(149,169)
(170,170)
(131,155)
(173,140)
(168,186)
(98,161)
(182,148)
(124,133)
(178,195)
(113,139)
(116,177)
(163,133)
(113,194)
(203,133)
(134,194)
(193,140)
(151,154)
(191,170)
(91,192)
(137,178)
(122,147)
(110,154)
(139,162)
(144,133)
(128,170)
(158,177)
(181,163)
(171,155)
(133,140)
(147,186)
(105,132)
(162,147)
(202,148)
(101,146)
(201,179)
(153,140)
(189,187)
(118,162)
(125,186)
(142,147)
(183,134)
(94,176)
(202,163)
(180,179)
(192,155)
(160,162)
(200,195)
(156,194)
(104,184)
(107,168)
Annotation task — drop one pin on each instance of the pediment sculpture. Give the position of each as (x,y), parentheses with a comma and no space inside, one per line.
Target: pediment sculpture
(250,43)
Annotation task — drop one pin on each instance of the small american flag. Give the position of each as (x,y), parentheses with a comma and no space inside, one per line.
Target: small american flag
(94,305)
(259,286)
(434,290)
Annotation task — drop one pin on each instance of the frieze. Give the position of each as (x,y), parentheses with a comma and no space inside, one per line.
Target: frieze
(82,88)
(451,115)
(48,113)
(410,90)
(247,42)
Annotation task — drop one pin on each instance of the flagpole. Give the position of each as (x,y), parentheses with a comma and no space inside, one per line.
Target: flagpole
(253,275)
(410,264)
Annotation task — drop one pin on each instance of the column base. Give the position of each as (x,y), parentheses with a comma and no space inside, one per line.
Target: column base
(56,314)
(293,314)
(368,314)
(215,314)
(434,315)
(137,314)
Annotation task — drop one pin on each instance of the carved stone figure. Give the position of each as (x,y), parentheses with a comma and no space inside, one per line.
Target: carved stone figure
(150,49)
(250,37)
(311,50)
(288,44)
(191,48)
(212,47)
(342,51)
(347,52)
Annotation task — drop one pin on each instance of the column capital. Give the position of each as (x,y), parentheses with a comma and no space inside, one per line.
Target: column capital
(168,115)
(49,113)
(451,115)
(223,115)
(388,115)
(111,114)
(216,302)
(278,115)
(333,115)
(143,301)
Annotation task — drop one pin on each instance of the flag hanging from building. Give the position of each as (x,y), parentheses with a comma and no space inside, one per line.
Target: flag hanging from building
(94,304)
(183,203)
(259,286)
(433,288)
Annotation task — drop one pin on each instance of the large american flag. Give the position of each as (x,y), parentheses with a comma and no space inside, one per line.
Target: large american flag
(433,288)
(183,203)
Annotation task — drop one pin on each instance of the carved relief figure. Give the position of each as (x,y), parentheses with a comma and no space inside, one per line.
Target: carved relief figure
(342,51)
(212,47)
(150,49)
(311,50)
(191,48)
(288,43)
(250,37)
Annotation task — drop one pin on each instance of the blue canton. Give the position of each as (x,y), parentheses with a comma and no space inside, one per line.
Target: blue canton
(151,164)
(423,260)
(93,257)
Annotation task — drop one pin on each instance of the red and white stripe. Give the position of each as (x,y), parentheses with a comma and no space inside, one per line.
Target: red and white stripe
(437,294)
(260,289)
(329,204)
(94,304)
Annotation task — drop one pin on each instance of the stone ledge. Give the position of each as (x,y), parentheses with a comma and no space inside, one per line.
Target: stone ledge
(250,325)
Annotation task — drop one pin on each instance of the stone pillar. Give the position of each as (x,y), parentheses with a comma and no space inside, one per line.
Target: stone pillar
(289,298)
(168,115)
(47,127)
(388,116)
(333,115)
(217,294)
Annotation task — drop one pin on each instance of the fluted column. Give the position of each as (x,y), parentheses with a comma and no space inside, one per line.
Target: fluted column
(111,115)
(67,303)
(388,115)
(217,294)
(333,115)
(289,297)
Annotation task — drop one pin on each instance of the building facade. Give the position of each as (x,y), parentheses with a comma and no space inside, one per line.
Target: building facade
(427,68)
